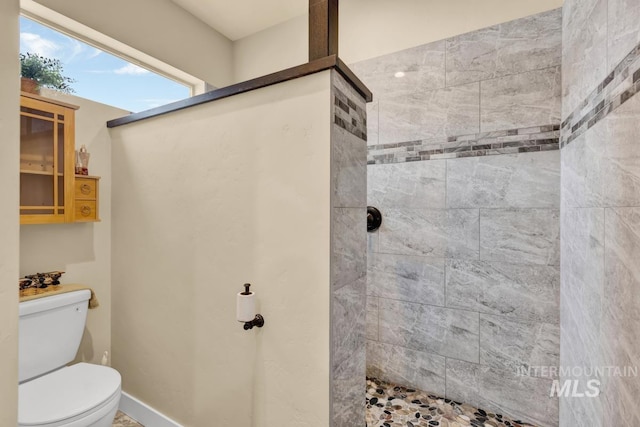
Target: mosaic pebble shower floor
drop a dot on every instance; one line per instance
(389, 405)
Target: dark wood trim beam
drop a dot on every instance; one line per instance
(323, 28)
(326, 63)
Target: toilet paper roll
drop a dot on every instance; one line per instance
(245, 307)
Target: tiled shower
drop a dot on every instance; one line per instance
(506, 167)
(464, 163)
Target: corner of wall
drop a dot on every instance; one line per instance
(9, 222)
(348, 252)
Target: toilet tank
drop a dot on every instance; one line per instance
(50, 331)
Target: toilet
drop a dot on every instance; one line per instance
(52, 394)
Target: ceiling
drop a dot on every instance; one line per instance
(239, 18)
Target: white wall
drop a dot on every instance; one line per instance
(204, 200)
(159, 28)
(82, 250)
(370, 28)
(9, 161)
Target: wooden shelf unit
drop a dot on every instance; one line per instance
(48, 190)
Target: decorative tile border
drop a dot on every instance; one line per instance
(349, 115)
(616, 89)
(523, 140)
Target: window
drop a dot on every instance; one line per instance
(98, 75)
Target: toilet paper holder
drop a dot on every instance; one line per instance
(246, 308)
(258, 321)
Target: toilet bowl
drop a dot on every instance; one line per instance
(81, 395)
(50, 393)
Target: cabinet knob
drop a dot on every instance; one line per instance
(85, 211)
(85, 189)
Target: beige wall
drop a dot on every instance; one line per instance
(159, 28)
(370, 28)
(83, 251)
(204, 200)
(9, 147)
(274, 49)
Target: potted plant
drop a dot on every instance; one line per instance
(38, 71)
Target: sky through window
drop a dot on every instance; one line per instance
(100, 76)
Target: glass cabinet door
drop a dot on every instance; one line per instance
(44, 145)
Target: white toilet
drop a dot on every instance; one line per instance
(52, 394)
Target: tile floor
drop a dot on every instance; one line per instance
(389, 405)
(123, 421)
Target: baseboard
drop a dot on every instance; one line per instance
(143, 413)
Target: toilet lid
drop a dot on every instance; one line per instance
(66, 393)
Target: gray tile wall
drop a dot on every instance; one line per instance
(463, 280)
(348, 255)
(600, 244)
(502, 77)
(476, 287)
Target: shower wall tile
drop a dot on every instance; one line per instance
(373, 240)
(621, 317)
(439, 233)
(582, 412)
(524, 236)
(348, 315)
(411, 368)
(513, 47)
(348, 244)
(406, 278)
(520, 100)
(471, 218)
(584, 50)
(349, 109)
(583, 276)
(348, 362)
(623, 30)
(513, 291)
(616, 142)
(463, 381)
(349, 169)
(372, 122)
(425, 114)
(503, 142)
(423, 68)
(510, 345)
(342, 87)
(443, 331)
(582, 280)
(521, 397)
(583, 183)
(528, 180)
(602, 166)
(348, 253)
(415, 185)
(372, 317)
(503, 391)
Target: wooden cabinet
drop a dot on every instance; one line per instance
(48, 190)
